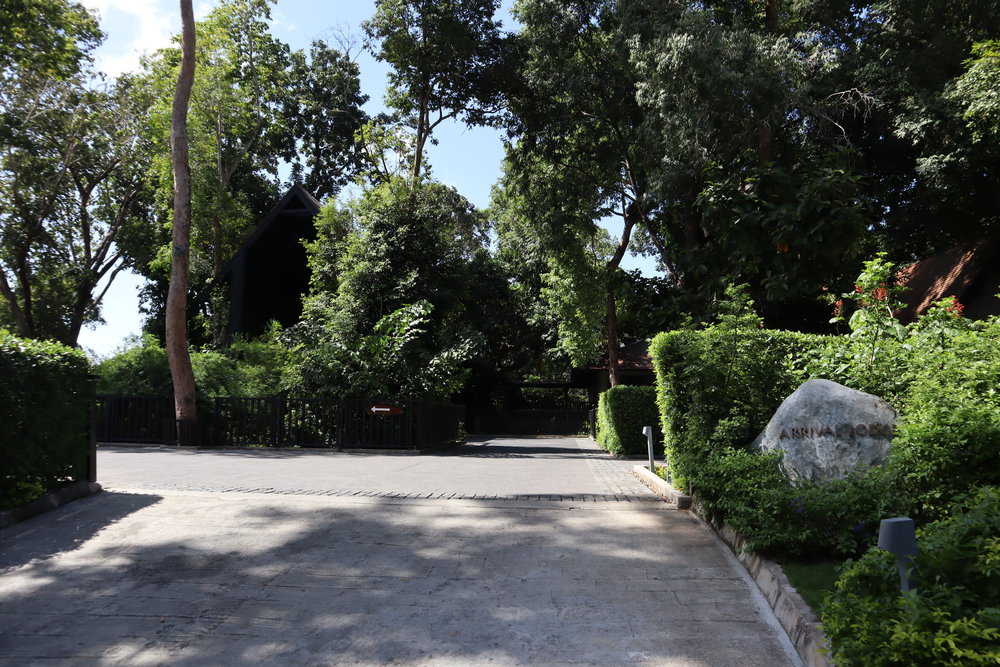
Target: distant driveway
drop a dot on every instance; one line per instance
(500, 467)
(510, 552)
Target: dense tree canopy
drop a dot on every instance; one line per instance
(773, 144)
(447, 62)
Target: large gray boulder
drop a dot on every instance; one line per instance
(827, 430)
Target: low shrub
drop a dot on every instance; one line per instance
(622, 412)
(44, 408)
(953, 617)
(251, 368)
(748, 491)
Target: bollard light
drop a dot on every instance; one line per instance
(899, 537)
(648, 432)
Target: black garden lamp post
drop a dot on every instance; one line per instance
(899, 537)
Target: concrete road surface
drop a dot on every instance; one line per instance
(506, 552)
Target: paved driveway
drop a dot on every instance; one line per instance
(540, 551)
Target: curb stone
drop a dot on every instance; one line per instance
(49, 502)
(795, 617)
(661, 487)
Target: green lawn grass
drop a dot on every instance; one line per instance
(813, 580)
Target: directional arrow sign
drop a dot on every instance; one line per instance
(384, 410)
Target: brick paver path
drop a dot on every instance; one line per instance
(505, 552)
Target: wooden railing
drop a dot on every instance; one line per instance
(282, 422)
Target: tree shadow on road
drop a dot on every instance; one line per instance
(381, 580)
(67, 527)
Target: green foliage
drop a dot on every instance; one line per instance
(324, 113)
(951, 619)
(574, 290)
(44, 406)
(748, 491)
(72, 166)
(446, 60)
(976, 91)
(622, 412)
(52, 38)
(948, 438)
(718, 387)
(770, 220)
(252, 368)
(392, 362)
(390, 281)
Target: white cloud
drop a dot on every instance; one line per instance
(134, 27)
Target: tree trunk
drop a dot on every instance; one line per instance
(176, 316)
(631, 217)
(612, 324)
(771, 16)
(765, 149)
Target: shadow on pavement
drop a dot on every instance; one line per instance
(375, 583)
(67, 527)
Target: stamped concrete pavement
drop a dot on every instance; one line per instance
(512, 552)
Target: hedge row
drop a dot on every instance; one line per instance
(622, 412)
(717, 388)
(44, 410)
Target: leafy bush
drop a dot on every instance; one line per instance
(246, 368)
(44, 405)
(748, 491)
(396, 360)
(948, 438)
(139, 369)
(718, 387)
(622, 412)
(953, 618)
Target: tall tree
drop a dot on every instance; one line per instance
(72, 166)
(447, 62)
(699, 127)
(254, 105)
(579, 155)
(71, 182)
(325, 114)
(178, 356)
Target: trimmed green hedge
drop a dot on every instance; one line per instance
(44, 409)
(718, 388)
(622, 411)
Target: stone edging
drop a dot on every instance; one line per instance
(793, 614)
(661, 487)
(48, 502)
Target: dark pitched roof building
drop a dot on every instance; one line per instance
(270, 274)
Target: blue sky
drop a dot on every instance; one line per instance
(466, 158)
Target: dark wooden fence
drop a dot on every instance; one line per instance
(535, 421)
(282, 422)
